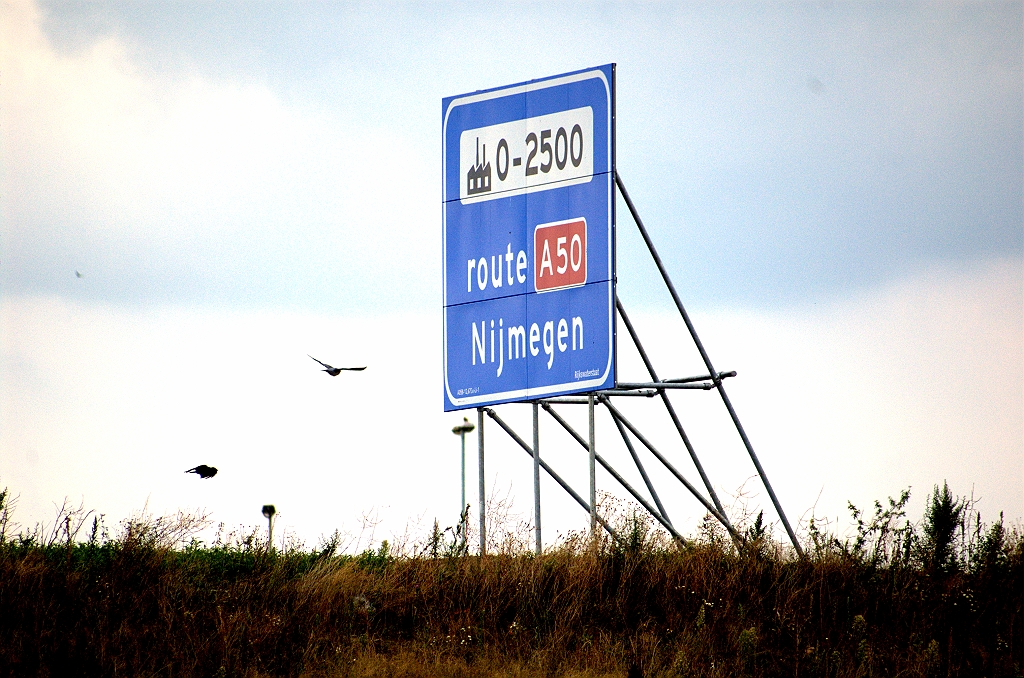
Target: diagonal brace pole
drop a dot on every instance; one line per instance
(544, 465)
(660, 517)
(640, 467)
(707, 363)
(679, 476)
(671, 410)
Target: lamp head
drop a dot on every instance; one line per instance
(464, 427)
(269, 511)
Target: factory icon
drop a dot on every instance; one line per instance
(478, 178)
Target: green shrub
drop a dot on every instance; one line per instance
(138, 604)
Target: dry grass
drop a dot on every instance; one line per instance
(143, 604)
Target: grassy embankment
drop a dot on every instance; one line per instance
(939, 597)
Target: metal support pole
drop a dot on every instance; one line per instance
(462, 429)
(483, 495)
(554, 476)
(268, 512)
(693, 490)
(683, 380)
(536, 474)
(708, 365)
(668, 406)
(622, 481)
(676, 386)
(593, 470)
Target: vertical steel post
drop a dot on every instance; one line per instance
(483, 496)
(593, 470)
(551, 472)
(536, 474)
(707, 363)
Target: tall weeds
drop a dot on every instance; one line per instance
(942, 597)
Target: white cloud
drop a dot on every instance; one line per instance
(182, 182)
(910, 385)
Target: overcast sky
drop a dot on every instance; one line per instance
(837, 190)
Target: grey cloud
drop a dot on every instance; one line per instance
(777, 153)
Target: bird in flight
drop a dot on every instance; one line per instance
(78, 274)
(203, 471)
(335, 371)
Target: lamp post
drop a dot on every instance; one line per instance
(461, 430)
(268, 513)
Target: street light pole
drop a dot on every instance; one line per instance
(461, 430)
(268, 513)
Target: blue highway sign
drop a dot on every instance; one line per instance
(529, 243)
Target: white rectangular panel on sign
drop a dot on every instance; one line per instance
(536, 154)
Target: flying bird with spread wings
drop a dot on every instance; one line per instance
(335, 371)
(203, 471)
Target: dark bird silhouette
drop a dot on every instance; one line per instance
(203, 471)
(335, 371)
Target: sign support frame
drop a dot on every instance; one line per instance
(712, 380)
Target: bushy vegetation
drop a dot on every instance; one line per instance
(938, 597)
